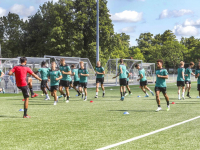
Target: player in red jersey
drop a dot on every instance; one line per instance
(21, 75)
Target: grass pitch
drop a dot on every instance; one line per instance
(84, 125)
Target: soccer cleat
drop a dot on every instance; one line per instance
(82, 96)
(47, 98)
(65, 98)
(3, 90)
(96, 96)
(183, 98)
(60, 96)
(103, 95)
(168, 108)
(85, 99)
(126, 94)
(27, 116)
(55, 103)
(152, 93)
(67, 101)
(79, 94)
(159, 108)
(198, 96)
(130, 94)
(189, 96)
(179, 98)
(35, 95)
(42, 94)
(147, 96)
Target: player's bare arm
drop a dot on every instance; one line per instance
(141, 76)
(67, 73)
(164, 77)
(59, 78)
(35, 76)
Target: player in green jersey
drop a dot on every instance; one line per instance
(127, 82)
(83, 74)
(188, 73)
(100, 72)
(161, 76)
(197, 75)
(76, 78)
(181, 80)
(143, 80)
(44, 70)
(54, 75)
(1, 75)
(122, 78)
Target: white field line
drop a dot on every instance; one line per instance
(147, 134)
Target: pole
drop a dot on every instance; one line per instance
(97, 34)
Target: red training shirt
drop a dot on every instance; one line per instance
(21, 74)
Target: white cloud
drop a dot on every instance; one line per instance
(127, 16)
(192, 23)
(128, 29)
(174, 13)
(181, 30)
(2, 12)
(21, 10)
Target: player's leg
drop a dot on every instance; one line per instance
(97, 88)
(189, 88)
(74, 87)
(198, 88)
(166, 98)
(103, 89)
(85, 90)
(158, 98)
(143, 89)
(81, 89)
(30, 84)
(55, 96)
(121, 90)
(61, 85)
(26, 100)
(179, 93)
(147, 88)
(183, 91)
(67, 93)
(47, 86)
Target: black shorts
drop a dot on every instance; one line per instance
(44, 83)
(187, 82)
(55, 87)
(122, 82)
(161, 89)
(180, 83)
(25, 91)
(83, 84)
(64, 83)
(100, 80)
(143, 83)
(126, 82)
(70, 82)
(76, 83)
(198, 87)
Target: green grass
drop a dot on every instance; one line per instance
(85, 125)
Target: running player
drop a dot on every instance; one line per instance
(1, 75)
(44, 70)
(20, 76)
(76, 79)
(143, 80)
(161, 76)
(54, 76)
(66, 78)
(197, 75)
(99, 78)
(122, 78)
(127, 81)
(83, 74)
(181, 80)
(188, 73)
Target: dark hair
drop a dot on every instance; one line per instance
(121, 60)
(160, 60)
(136, 65)
(23, 59)
(73, 66)
(43, 63)
(191, 63)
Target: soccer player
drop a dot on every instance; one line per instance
(65, 80)
(127, 86)
(76, 78)
(197, 75)
(21, 75)
(122, 78)
(143, 80)
(188, 73)
(83, 74)
(161, 76)
(1, 75)
(99, 78)
(54, 76)
(181, 80)
(44, 70)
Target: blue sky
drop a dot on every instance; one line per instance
(133, 16)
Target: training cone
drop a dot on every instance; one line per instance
(76, 95)
(23, 100)
(21, 110)
(138, 96)
(173, 102)
(91, 101)
(125, 113)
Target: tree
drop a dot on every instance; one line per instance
(135, 53)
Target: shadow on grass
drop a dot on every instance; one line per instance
(134, 110)
(1, 116)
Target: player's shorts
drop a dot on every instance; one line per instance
(64, 83)
(76, 83)
(161, 89)
(55, 87)
(198, 87)
(44, 83)
(187, 82)
(70, 82)
(180, 83)
(122, 82)
(25, 91)
(100, 80)
(143, 83)
(127, 82)
(83, 84)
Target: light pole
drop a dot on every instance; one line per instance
(97, 34)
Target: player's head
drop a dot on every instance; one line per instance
(137, 66)
(182, 63)
(98, 63)
(43, 63)
(81, 64)
(53, 64)
(23, 60)
(191, 64)
(121, 61)
(62, 61)
(72, 66)
(159, 63)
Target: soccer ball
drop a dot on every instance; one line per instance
(122, 98)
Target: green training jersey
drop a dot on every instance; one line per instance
(160, 82)
(83, 78)
(65, 68)
(188, 72)
(142, 72)
(196, 72)
(0, 74)
(180, 77)
(123, 74)
(53, 74)
(44, 73)
(127, 72)
(100, 70)
(76, 77)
